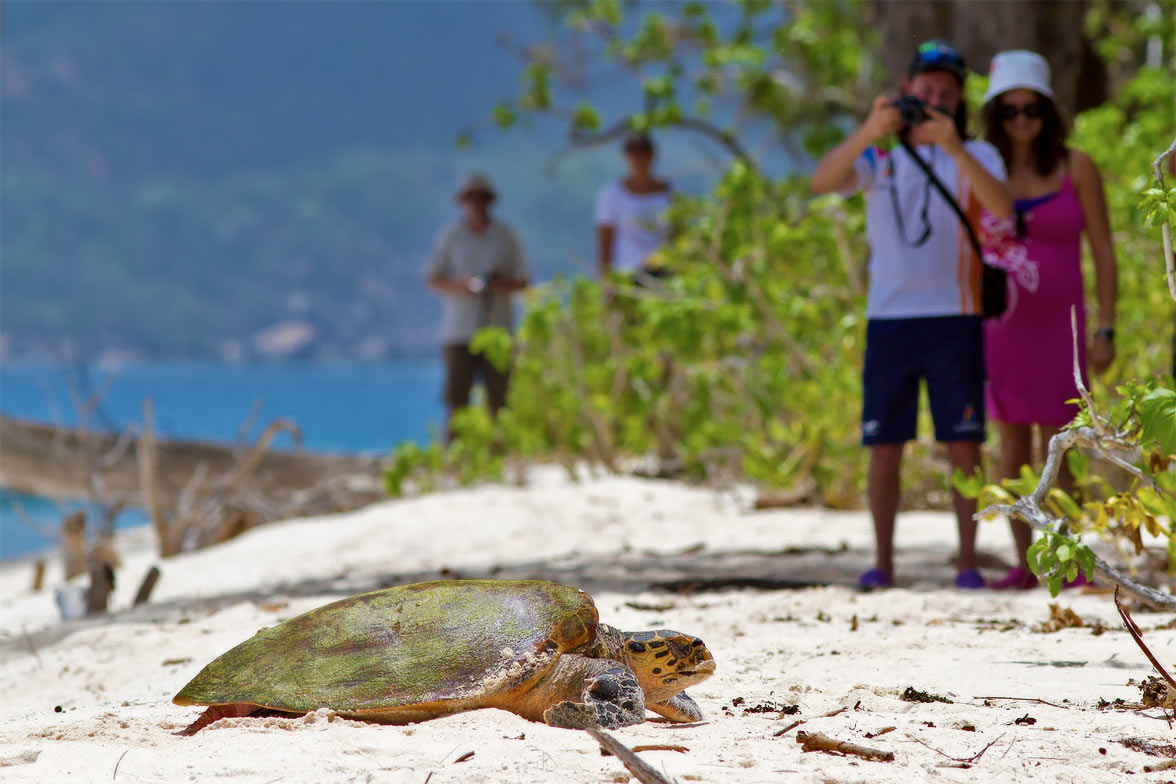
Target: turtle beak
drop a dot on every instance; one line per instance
(695, 652)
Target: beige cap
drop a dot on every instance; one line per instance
(476, 182)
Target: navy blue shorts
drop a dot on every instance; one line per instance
(947, 351)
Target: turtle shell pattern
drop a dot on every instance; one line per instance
(419, 644)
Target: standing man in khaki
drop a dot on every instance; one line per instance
(477, 265)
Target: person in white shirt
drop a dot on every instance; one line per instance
(924, 303)
(629, 211)
(477, 266)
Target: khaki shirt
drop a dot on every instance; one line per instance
(460, 253)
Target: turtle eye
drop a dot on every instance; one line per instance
(636, 647)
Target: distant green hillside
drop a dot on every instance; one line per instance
(176, 177)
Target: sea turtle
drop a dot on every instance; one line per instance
(419, 651)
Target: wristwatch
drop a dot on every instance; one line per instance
(476, 285)
(1105, 332)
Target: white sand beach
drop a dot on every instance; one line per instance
(90, 699)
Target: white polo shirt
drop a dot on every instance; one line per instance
(940, 277)
(636, 218)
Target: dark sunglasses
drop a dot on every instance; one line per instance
(1030, 110)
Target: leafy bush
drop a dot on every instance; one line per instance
(742, 364)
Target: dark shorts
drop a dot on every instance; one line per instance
(461, 366)
(947, 351)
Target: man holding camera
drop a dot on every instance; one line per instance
(924, 301)
(477, 265)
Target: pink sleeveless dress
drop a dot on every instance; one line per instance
(1029, 351)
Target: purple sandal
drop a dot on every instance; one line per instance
(970, 579)
(873, 579)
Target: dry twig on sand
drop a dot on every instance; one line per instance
(962, 760)
(644, 772)
(815, 741)
(796, 724)
(1137, 635)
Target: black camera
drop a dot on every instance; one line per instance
(912, 110)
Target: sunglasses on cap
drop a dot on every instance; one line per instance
(1031, 110)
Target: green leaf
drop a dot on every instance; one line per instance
(495, 343)
(1157, 418)
(1085, 558)
(504, 115)
(586, 117)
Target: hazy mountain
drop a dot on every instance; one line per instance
(178, 178)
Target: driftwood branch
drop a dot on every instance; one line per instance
(195, 493)
(148, 477)
(815, 741)
(643, 771)
(147, 586)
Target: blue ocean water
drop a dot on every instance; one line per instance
(343, 408)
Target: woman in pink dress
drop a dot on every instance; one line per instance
(1029, 351)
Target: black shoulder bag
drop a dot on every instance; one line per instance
(993, 280)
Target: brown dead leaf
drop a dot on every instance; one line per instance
(1060, 618)
(1155, 692)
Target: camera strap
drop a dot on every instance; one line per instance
(994, 282)
(902, 232)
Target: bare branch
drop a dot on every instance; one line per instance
(580, 140)
(26, 520)
(1165, 228)
(725, 139)
(255, 455)
(1087, 401)
(1028, 509)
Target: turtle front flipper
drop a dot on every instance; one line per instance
(217, 712)
(610, 696)
(681, 707)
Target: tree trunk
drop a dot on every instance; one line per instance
(980, 30)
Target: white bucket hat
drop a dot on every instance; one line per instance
(1016, 69)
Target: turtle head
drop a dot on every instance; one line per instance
(666, 662)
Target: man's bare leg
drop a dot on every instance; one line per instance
(885, 489)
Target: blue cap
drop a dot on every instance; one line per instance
(937, 55)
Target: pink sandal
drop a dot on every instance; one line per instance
(1017, 579)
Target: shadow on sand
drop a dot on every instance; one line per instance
(690, 570)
